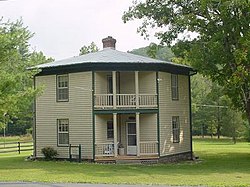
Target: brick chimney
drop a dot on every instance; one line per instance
(109, 42)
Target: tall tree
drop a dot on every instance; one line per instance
(16, 87)
(89, 49)
(220, 49)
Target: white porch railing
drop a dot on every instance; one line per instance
(107, 149)
(104, 149)
(103, 100)
(125, 100)
(149, 148)
(148, 100)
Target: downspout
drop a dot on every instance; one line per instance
(93, 114)
(191, 73)
(34, 120)
(158, 113)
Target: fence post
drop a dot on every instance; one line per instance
(70, 155)
(80, 153)
(19, 147)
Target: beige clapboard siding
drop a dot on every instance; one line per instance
(101, 82)
(147, 82)
(169, 108)
(101, 128)
(78, 110)
(148, 127)
(127, 82)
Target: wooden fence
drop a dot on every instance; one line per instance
(19, 147)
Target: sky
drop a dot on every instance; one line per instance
(62, 27)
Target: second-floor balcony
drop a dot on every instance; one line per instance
(125, 90)
(122, 101)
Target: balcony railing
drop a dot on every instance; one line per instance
(105, 101)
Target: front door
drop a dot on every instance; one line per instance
(131, 138)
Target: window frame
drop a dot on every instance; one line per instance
(110, 130)
(176, 129)
(62, 132)
(174, 87)
(62, 88)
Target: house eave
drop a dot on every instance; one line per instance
(164, 67)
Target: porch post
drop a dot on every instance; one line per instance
(138, 133)
(114, 88)
(115, 133)
(137, 89)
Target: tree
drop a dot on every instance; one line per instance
(221, 47)
(155, 51)
(89, 49)
(234, 125)
(16, 85)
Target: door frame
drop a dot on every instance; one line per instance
(132, 148)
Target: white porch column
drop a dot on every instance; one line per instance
(137, 89)
(114, 88)
(138, 133)
(115, 133)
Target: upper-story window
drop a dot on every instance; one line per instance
(62, 88)
(174, 87)
(176, 129)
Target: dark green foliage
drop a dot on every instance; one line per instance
(49, 153)
(155, 51)
(221, 48)
(213, 113)
(16, 82)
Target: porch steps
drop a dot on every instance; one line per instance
(129, 160)
(150, 161)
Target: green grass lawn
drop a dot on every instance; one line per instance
(222, 164)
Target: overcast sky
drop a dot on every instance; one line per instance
(62, 27)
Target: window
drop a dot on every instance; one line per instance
(176, 129)
(63, 131)
(110, 84)
(62, 88)
(110, 130)
(174, 87)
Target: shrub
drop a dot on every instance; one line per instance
(49, 153)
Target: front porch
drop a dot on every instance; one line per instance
(126, 136)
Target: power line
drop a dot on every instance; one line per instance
(212, 106)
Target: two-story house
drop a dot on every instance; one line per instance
(111, 99)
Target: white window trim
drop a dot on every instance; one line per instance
(110, 130)
(61, 88)
(62, 132)
(176, 87)
(176, 130)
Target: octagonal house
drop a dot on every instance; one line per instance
(118, 106)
